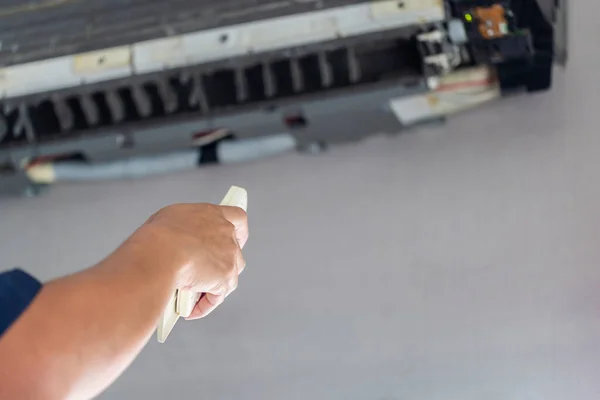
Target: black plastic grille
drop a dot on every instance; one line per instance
(206, 92)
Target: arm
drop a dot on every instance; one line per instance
(82, 331)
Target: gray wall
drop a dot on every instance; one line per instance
(452, 263)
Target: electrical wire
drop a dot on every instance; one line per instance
(200, 139)
(467, 84)
(220, 151)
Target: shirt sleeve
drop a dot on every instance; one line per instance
(17, 291)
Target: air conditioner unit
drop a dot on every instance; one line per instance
(99, 82)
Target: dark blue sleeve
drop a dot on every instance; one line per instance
(17, 290)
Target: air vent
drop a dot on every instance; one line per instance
(204, 92)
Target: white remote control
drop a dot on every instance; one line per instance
(182, 302)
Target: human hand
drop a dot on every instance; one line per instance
(201, 244)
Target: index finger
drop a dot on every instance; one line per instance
(239, 219)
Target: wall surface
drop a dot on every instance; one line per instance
(452, 263)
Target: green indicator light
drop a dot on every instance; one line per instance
(469, 17)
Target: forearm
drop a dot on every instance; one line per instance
(107, 314)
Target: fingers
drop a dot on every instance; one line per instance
(239, 219)
(210, 301)
(240, 262)
(207, 304)
(233, 262)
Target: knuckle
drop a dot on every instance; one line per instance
(241, 261)
(206, 208)
(232, 283)
(243, 215)
(225, 229)
(228, 264)
(240, 216)
(229, 227)
(230, 268)
(231, 249)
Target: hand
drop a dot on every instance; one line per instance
(202, 244)
(110, 310)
